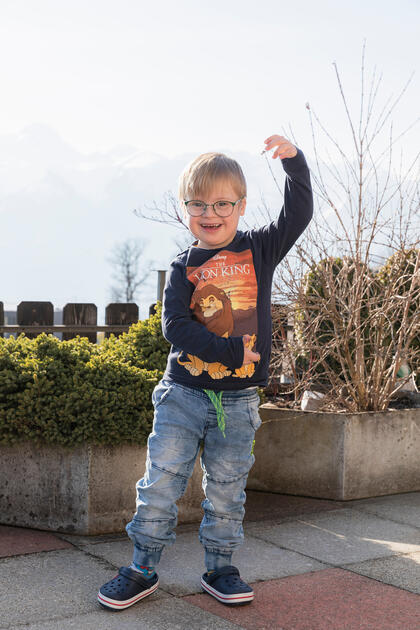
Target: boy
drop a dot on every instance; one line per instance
(217, 316)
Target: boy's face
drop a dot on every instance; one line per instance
(213, 231)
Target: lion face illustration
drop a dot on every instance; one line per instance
(210, 305)
(212, 308)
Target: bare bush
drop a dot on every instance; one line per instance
(355, 324)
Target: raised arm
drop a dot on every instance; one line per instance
(279, 236)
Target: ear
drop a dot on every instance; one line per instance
(242, 207)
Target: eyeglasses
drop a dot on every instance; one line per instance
(221, 208)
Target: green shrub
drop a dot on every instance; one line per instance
(143, 345)
(72, 392)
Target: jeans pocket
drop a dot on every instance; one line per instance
(161, 393)
(254, 414)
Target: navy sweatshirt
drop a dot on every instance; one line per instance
(213, 297)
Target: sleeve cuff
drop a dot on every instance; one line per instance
(294, 163)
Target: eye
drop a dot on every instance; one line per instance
(223, 204)
(196, 204)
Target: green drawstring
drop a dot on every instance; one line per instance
(216, 399)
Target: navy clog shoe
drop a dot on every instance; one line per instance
(126, 588)
(226, 585)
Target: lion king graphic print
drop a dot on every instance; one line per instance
(225, 302)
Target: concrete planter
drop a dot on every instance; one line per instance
(337, 456)
(91, 489)
(84, 490)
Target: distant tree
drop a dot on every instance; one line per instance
(125, 259)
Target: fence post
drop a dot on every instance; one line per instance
(161, 284)
(118, 313)
(31, 313)
(160, 287)
(80, 313)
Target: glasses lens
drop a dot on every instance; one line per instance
(195, 208)
(223, 208)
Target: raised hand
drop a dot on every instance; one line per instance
(285, 149)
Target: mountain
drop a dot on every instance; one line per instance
(62, 212)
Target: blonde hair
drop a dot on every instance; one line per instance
(200, 176)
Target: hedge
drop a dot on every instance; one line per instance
(72, 392)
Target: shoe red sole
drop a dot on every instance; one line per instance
(107, 602)
(232, 598)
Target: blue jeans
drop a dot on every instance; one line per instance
(184, 418)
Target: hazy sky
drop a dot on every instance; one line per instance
(105, 79)
(190, 75)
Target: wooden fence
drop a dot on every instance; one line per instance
(81, 319)
(34, 318)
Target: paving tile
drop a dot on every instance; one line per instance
(182, 564)
(42, 586)
(402, 508)
(341, 537)
(402, 571)
(333, 599)
(270, 506)
(166, 614)
(17, 540)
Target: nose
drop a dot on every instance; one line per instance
(209, 211)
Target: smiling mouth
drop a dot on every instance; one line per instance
(210, 225)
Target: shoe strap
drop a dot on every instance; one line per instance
(135, 576)
(228, 570)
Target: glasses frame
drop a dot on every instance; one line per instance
(206, 205)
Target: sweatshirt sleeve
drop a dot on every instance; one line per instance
(188, 335)
(279, 236)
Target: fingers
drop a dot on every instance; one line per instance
(251, 357)
(273, 138)
(285, 149)
(282, 151)
(273, 141)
